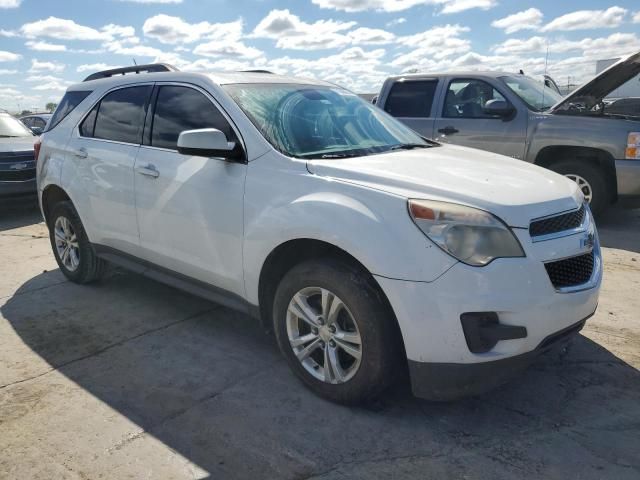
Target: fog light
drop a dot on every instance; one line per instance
(482, 331)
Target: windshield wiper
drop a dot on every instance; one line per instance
(339, 155)
(409, 146)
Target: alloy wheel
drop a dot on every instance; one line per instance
(66, 242)
(324, 335)
(583, 185)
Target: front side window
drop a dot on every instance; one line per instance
(183, 108)
(11, 127)
(313, 121)
(120, 115)
(411, 98)
(536, 95)
(466, 98)
(68, 103)
(38, 122)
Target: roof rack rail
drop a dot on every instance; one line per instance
(149, 68)
(257, 71)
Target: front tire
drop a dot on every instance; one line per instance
(335, 331)
(71, 247)
(591, 181)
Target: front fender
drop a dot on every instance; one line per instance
(372, 226)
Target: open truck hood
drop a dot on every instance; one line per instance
(592, 92)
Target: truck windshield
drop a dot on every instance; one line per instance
(535, 94)
(10, 127)
(312, 121)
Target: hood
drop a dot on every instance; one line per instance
(592, 92)
(514, 190)
(17, 144)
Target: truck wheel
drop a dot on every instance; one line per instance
(71, 247)
(590, 180)
(335, 331)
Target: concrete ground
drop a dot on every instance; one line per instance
(132, 379)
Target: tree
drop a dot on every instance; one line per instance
(51, 106)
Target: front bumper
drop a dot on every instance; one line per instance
(10, 189)
(628, 177)
(518, 290)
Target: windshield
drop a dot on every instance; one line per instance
(535, 94)
(311, 121)
(10, 127)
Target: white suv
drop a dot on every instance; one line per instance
(365, 247)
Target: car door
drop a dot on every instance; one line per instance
(190, 208)
(102, 154)
(462, 120)
(412, 102)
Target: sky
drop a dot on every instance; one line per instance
(46, 45)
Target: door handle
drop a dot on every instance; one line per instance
(149, 171)
(81, 153)
(449, 130)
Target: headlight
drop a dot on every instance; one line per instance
(470, 235)
(632, 152)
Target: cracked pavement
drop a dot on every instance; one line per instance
(133, 379)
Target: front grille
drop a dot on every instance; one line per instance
(17, 175)
(559, 223)
(570, 272)
(16, 157)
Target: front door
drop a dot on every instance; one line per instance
(189, 208)
(462, 120)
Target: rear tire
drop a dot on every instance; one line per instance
(71, 247)
(354, 344)
(592, 182)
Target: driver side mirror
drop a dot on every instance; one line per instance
(498, 108)
(209, 142)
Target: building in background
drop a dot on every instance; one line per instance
(629, 89)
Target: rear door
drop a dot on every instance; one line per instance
(462, 121)
(102, 152)
(413, 102)
(190, 208)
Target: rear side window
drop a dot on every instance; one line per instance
(120, 115)
(411, 98)
(70, 101)
(183, 108)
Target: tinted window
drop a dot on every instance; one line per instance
(89, 123)
(182, 108)
(411, 99)
(38, 122)
(28, 121)
(467, 98)
(70, 101)
(121, 115)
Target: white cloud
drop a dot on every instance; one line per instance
(10, 3)
(588, 19)
(526, 20)
(45, 46)
(121, 48)
(396, 21)
(291, 32)
(174, 30)
(614, 45)
(221, 48)
(55, 86)
(9, 56)
(448, 6)
(94, 67)
(435, 44)
(456, 6)
(6, 71)
(43, 78)
(8, 33)
(636, 17)
(61, 29)
(370, 36)
(152, 1)
(38, 66)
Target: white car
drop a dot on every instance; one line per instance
(365, 247)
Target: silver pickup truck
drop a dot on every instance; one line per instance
(514, 115)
